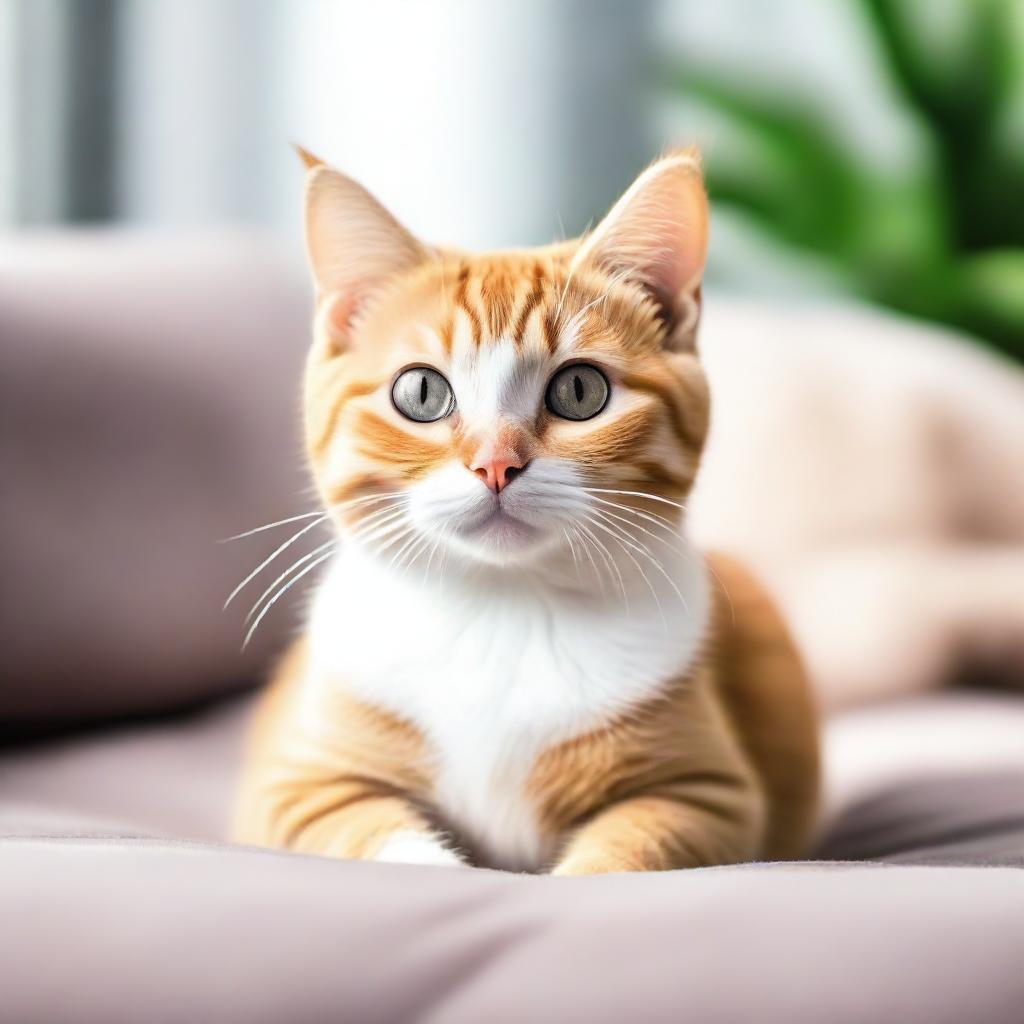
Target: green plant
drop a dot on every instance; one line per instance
(944, 241)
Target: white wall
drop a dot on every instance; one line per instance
(481, 123)
(197, 110)
(8, 124)
(33, 115)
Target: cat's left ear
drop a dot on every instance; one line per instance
(657, 236)
(355, 246)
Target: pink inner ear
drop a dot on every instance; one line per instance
(354, 244)
(658, 231)
(339, 314)
(680, 246)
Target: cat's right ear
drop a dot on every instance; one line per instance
(657, 236)
(355, 246)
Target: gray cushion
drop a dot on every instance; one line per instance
(129, 931)
(173, 777)
(148, 408)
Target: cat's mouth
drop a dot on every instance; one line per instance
(499, 524)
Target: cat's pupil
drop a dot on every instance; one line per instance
(423, 390)
(577, 386)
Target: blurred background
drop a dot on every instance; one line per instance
(866, 147)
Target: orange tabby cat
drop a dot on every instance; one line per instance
(516, 658)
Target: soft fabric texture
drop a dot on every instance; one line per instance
(111, 932)
(135, 434)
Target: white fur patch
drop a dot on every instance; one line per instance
(416, 848)
(496, 666)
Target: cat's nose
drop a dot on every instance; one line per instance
(499, 471)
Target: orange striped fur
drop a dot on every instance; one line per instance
(691, 740)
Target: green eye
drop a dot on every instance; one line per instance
(577, 392)
(423, 395)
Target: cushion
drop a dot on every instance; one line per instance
(148, 408)
(120, 895)
(136, 930)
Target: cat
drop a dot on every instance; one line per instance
(516, 658)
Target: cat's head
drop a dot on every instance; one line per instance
(507, 407)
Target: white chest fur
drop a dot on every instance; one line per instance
(495, 672)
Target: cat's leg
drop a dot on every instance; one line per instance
(376, 827)
(669, 786)
(346, 789)
(351, 819)
(657, 833)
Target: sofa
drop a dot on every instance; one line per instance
(147, 412)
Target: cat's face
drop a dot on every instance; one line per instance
(507, 407)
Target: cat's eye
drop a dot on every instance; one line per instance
(423, 395)
(577, 392)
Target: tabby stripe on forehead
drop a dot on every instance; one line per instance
(447, 333)
(462, 301)
(550, 325)
(357, 389)
(663, 391)
(529, 305)
(496, 298)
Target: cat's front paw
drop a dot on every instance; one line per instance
(417, 848)
(594, 863)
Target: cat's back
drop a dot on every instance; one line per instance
(764, 689)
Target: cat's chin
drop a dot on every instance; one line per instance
(500, 539)
(501, 529)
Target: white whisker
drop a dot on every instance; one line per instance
(645, 551)
(403, 530)
(575, 560)
(401, 551)
(270, 604)
(651, 517)
(430, 557)
(310, 515)
(368, 498)
(379, 531)
(416, 553)
(378, 518)
(635, 494)
(626, 545)
(291, 568)
(590, 556)
(266, 561)
(725, 589)
(654, 536)
(270, 526)
(606, 554)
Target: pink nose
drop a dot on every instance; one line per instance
(499, 471)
